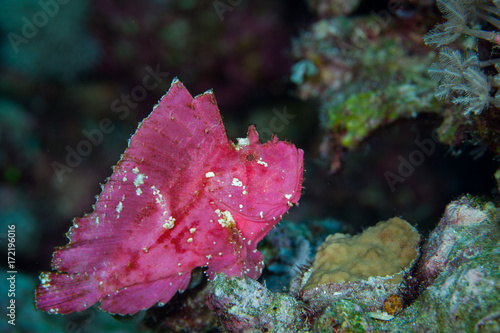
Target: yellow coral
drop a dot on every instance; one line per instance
(384, 250)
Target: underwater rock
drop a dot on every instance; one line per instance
(342, 316)
(444, 238)
(459, 273)
(244, 305)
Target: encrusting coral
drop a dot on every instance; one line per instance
(384, 250)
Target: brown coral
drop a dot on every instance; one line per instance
(384, 250)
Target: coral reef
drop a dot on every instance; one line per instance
(452, 287)
(329, 8)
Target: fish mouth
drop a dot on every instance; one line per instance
(300, 176)
(297, 187)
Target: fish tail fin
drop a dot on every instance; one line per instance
(66, 293)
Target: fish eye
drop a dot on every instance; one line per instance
(250, 157)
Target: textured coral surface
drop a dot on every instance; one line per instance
(384, 250)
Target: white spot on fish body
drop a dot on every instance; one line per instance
(236, 182)
(226, 219)
(139, 179)
(45, 280)
(261, 162)
(119, 207)
(242, 142)
(209, 174)
(170, 223)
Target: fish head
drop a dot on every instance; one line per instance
(265, 180)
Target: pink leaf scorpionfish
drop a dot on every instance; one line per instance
(182, 196)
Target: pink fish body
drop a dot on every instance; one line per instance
(182, 196)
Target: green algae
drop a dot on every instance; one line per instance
(344, 315)
(363, 82)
